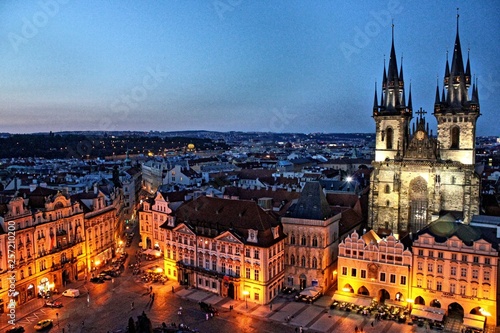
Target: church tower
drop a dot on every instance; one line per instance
(392, 115)
(419, 177)
(456, 113)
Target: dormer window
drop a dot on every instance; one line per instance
(252, 236)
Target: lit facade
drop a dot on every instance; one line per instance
(153, 213)
(370, 266)
(49, 244)
(456, 269)
(229, 247)
(312, 239)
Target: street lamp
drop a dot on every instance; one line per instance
(246, 293)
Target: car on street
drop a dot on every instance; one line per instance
(53, 304)
(104, 276)
(71, 293)
(16, 329)
(43, 324)
(96, 280)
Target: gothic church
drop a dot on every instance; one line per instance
(417, 176)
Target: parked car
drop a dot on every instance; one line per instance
(53, 304)
(104, 276)
(43, 324)
(96, 280)
(71, 293)
(16, 329)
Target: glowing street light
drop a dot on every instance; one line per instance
(246, 293)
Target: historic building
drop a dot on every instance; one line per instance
(153, 213)
(418, 176)
(232, 248)
(375, 267)
(313, 234)
(100, 227)
(455, 267)
(49, 248)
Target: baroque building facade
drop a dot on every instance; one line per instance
(229, 247)
(49, 248)
(418, 176)
(455, 267)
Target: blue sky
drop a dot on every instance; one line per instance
(282, 66)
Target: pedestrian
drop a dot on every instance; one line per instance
(153, 297)
(132, 305)
(206, 316)
(173, 289)
(150, 289)
(356, 329)
(372, 323)
(271, 306)
(301, 329)
(83, 323)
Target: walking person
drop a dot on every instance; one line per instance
(132, 305)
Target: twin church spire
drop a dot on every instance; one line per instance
(393, 98)
(457, 81)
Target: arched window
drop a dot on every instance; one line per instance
(315, 241)
(303, 261)
(390, 138)
(314, 263)
(303, 240)
(387, 188)
(292, 239)
(455, 137)
(292, 260)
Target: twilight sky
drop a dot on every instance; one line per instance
(281, 66)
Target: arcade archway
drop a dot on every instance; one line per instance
(455, 310)
(435, 303)
(420, 300)
(348, 288)
(383, 295)
(363, 291)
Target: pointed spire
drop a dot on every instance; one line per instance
(443, 96)
(375, 101)
(477, 91)
(401, 70)
(392, 72)
(447, 70)
(467, 69)
(384, 79)
(473, 98)
(410, 103)
(437, 101)
(457, 62)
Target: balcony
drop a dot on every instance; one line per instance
(232, 277)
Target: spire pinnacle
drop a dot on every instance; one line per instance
(410, 104)
(437, 101)
(375, 100)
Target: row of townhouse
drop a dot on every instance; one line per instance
(54, 239)
(447, 265)
(244, 248)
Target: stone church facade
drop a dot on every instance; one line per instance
(419, 176)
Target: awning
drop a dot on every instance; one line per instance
(428, 308)
(358, 300)
(312, 291)
(473, 323)
(427, 315)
